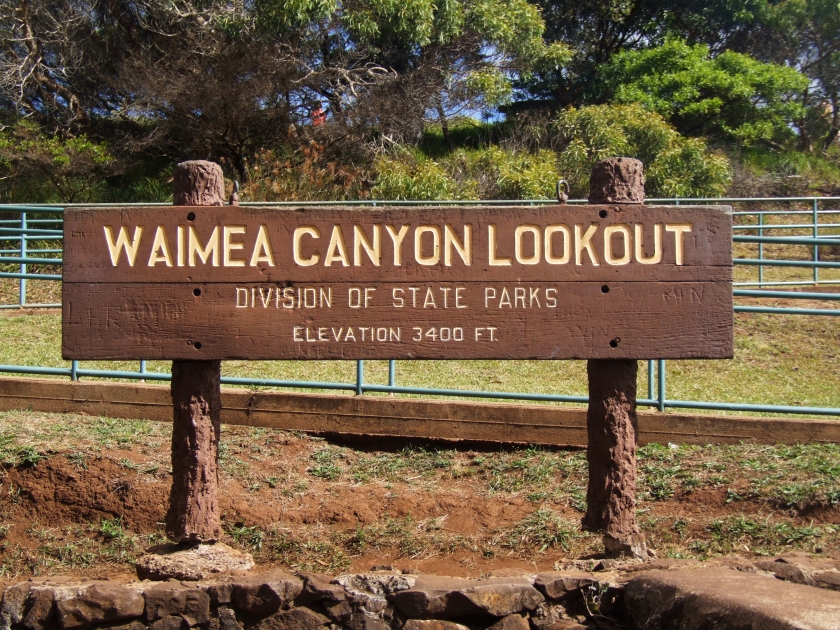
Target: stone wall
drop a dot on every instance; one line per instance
(280, 601)
(788, 592)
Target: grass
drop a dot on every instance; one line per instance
(75, 547)
(749, 273)
(779, 359)
(509, 471)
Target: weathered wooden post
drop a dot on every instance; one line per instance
(611, 417)
(193, 515)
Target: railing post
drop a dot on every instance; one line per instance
(761, 250)
(360, 376)
(22, 297)
(815, 206)
(650, 379)
(392, 373)
(74, 370)
(660, 373)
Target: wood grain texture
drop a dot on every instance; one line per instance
(167, 321)
(87, 258)
(405, 417)
(522, 307)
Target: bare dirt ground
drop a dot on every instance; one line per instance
(86, 495)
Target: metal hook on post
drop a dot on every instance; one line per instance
(562, 191)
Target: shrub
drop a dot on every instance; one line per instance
(488, 173)
(415, 177)
(502, 174)
(35, 167)
(305, 174)
(674, 165)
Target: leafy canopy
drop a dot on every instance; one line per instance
(476, 47)
(596, 30)
(805, 34)
(732, 96)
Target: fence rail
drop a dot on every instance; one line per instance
(42, 223)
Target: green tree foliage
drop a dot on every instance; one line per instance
(675, 166)
(805, 34)
(223, 79)
(732, 96)
(302, 99)
(441, 58)
(597, 30)
(38, 167)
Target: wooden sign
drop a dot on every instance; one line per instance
(551, 282)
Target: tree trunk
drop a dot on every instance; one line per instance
(444, 125)
(835, 123)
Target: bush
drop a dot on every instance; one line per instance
(502, 174)
(675, 166)
(412, 176)
(305, 174)
(489, 173)
(35, 167)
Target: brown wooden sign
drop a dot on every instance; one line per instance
(552, 282)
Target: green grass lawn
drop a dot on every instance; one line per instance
(779, 359)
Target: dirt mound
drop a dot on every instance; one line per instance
(88, 495)
(56, 492)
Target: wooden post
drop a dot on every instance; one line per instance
(611, 417)
(193, 515)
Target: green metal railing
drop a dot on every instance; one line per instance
(42, 225)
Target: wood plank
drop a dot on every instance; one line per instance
(556, 282)
(402, 417)
(88, 257)
(470, 320)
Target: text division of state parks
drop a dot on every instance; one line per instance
(550, 282)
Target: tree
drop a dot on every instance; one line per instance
(222, 79)
(597, 30)
(731, 95)
(805, 34)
